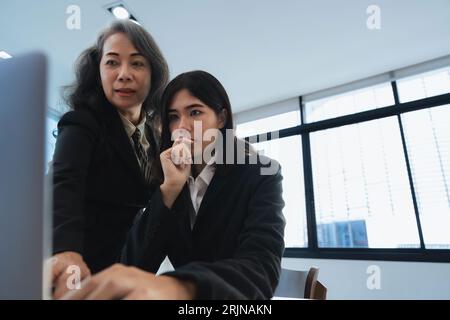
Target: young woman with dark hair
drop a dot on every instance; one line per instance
(219, 222)
(105, 148)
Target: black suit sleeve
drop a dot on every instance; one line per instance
(254, 270)
(77, 135)
(154, 225)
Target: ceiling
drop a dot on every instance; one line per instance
(261, 50)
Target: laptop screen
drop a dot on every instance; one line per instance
(24, 215)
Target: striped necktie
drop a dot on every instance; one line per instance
(141, 155)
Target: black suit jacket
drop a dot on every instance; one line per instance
(234, 250)
(98, 187)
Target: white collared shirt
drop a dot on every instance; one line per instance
(198, 186)
(130, 128)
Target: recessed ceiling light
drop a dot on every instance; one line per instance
(5, 55)
(120, 11)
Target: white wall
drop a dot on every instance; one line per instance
(347, 279)
(267, 110)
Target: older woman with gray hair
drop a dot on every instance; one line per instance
(105, 150)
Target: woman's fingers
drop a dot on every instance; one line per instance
(57, 268)
(87, 286)
(110, 288)
(61, 286)
(116, 282)
(176, 164)
(181, 154)
(165, 155)
(68, 268)
(69, 280)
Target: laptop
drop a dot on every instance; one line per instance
(25, 218)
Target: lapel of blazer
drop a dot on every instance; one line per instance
(182, 243)
(188, 209)
(120, 141)
(216, 186)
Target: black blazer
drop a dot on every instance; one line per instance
(234, 250)
(98, 187)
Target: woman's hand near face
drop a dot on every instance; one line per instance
(176, 164)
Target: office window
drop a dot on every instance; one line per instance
(351, 102)
(287, 151)
(361, 187)
(425, 85)
(427, 134)
(363, 195)
(269, 124)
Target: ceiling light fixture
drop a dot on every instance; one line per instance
(120, 11)
(5, 55)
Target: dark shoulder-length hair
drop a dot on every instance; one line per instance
(87, 92)
(210, 91)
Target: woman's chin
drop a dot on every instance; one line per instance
(124, 104)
